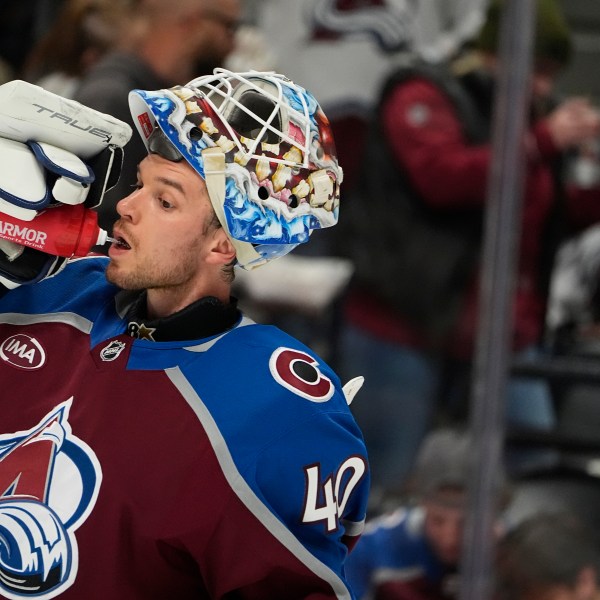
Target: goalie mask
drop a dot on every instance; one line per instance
(264, 148)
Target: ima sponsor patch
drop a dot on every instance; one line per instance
(23, 352)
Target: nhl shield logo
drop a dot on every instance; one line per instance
(112, 351)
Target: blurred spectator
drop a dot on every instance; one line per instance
(22, 24)
(354, 44)
(573, 333)
(413, 553)
(84, 30)
(548, 557)
(573, 315)
(414, 232)
(163, 43)
(251, 52)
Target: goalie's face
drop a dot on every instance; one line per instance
(169, 241)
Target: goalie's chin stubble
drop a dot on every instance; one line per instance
(152, 276)
(124, 280)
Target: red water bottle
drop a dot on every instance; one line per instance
(62, 230)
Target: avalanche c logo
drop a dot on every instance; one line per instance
(298, 372)
(23, 352)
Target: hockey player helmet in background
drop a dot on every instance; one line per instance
(264, 148)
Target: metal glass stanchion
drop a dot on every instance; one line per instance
(502, 229)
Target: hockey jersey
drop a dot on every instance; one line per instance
(132, 469)
(394, 561)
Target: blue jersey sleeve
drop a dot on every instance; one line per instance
(297, 455)
(315, 479)
(80, 288)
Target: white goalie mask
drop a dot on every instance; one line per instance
(264, 148)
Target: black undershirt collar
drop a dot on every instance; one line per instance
(204, 318)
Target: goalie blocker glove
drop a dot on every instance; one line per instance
(53, 151)
(35, 174)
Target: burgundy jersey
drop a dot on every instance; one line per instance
(226, 467)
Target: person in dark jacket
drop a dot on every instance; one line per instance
(165, 43)
(414, 551)
(411, 317)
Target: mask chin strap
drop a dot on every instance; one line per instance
(214, 177)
